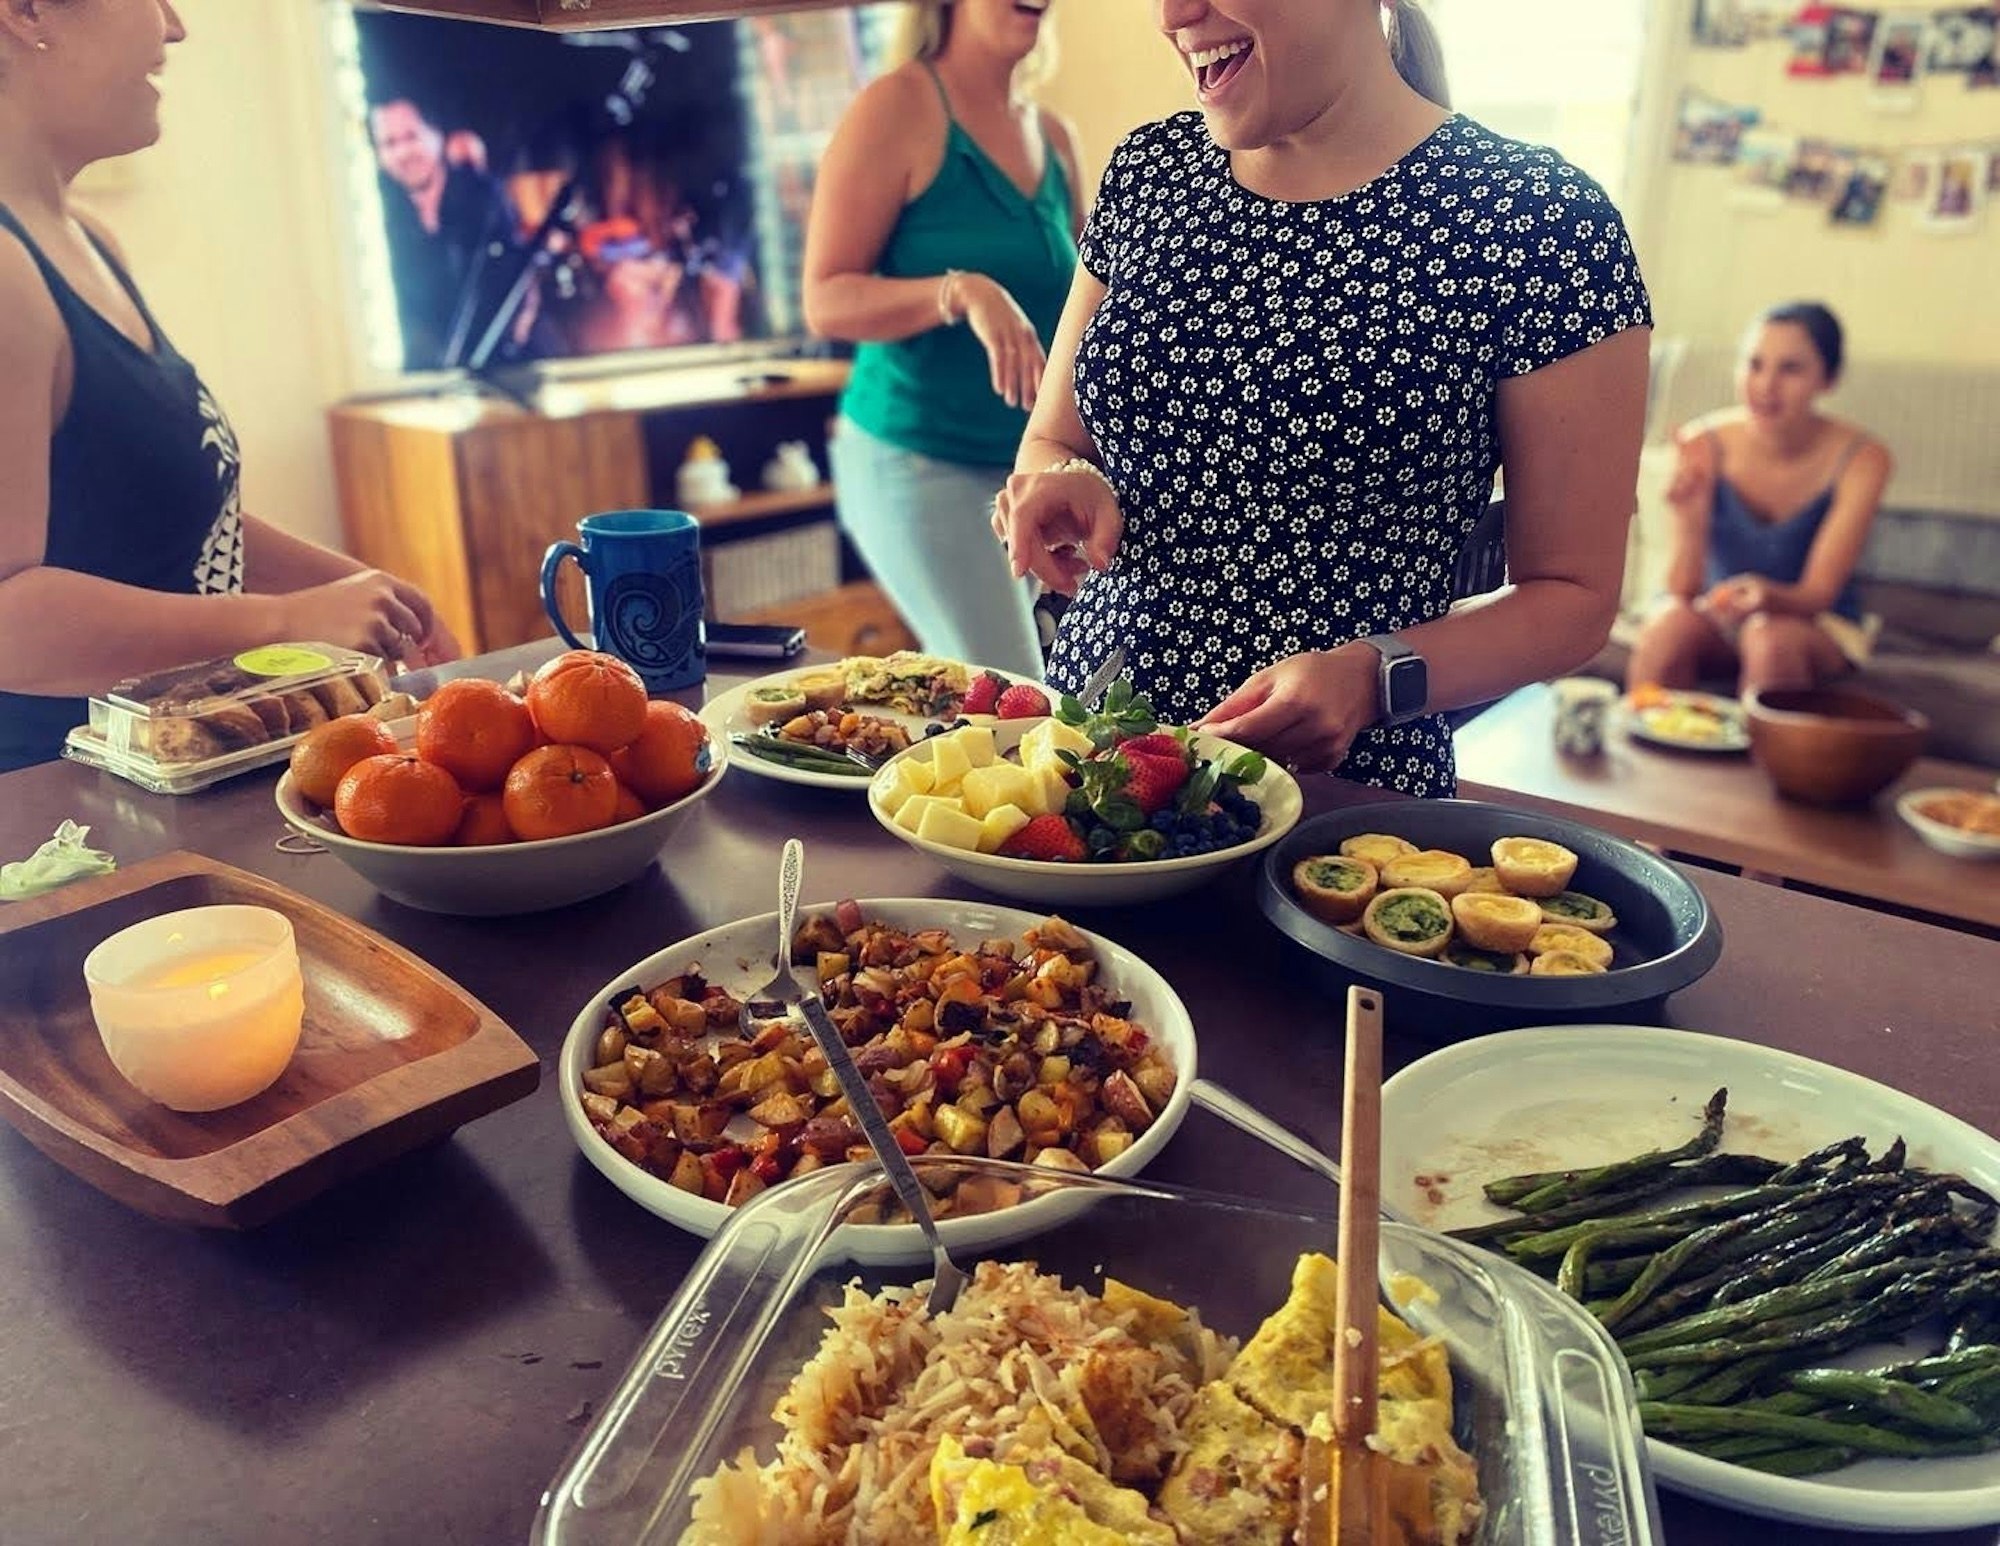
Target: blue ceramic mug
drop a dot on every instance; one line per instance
(643, 569)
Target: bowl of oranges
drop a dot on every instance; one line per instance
(487, 802)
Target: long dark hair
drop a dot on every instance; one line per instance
(1417, 50)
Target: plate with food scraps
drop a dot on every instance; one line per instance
(1686, 721)
(831, 726)
(1746, 1323)
(1058, 1048)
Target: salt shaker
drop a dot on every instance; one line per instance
(1581, 706)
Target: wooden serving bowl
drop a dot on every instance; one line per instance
(1832, 745)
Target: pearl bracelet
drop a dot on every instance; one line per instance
(1084, 464)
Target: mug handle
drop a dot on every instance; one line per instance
(552, 561)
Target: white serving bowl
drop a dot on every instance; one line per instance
(738, 957)
(507, 878)
(1946, 839)
(1099, 885)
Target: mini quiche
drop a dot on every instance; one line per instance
(773, 705)
(825, 689)
(1334, 890)
(1410, 921)
(1483, 878)
(1378, 848)
(1531, 866)
(1564, 963)
(1434, 869)
(1562, 939)
(1579, 912)
(1472, 959)
(1495, 922)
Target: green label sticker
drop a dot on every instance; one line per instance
(282, 660)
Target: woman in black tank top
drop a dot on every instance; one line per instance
(124, 547)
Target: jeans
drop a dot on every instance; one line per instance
(921, 526)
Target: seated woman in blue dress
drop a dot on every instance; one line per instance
(1772, 502)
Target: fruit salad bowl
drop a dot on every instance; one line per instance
(981, 787)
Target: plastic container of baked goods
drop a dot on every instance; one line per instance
(182, 730)
(1541, 1401)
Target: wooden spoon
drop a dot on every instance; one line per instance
(1344, 1483)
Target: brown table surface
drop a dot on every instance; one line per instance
(411, 1357)
(1722, 808)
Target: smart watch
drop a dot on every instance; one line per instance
(1406, 679)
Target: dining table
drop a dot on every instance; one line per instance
(412, 1355)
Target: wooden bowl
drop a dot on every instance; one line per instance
(1832, 745)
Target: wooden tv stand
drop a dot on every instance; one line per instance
(462, 494)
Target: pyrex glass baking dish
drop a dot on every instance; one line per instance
(1542, 1402)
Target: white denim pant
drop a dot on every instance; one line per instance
(923, 527)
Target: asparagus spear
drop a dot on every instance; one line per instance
(1665, 1420)
(1847, 1150)
(1714, 1170)
(1567, 1186)
(1907, 1405)
(1888, 1245)
(1801, 1460)
(1669, 1223)
(1780, 1303)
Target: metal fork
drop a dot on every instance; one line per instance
(948, 1280)
(1112, 668)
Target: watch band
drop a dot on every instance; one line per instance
(1405, 676)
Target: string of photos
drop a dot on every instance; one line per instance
(1894, 49)
(1947, 184)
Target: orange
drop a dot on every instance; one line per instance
(322, 759)
(665, 762)
(399, 799)
(559, 791)
(475, 731)
(588, 699)
(484, 822)
(629, 808)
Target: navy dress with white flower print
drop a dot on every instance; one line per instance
(1296, 401)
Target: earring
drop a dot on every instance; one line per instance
(41, 45)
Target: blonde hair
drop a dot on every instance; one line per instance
(924, 30)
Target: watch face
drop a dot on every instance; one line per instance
(1407, 689)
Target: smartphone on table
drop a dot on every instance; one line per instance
(754, 641)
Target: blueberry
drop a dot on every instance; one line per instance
(1163, 821)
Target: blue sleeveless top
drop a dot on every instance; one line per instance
(143, 475)
(1742, 542)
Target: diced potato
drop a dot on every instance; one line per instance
(610, 1045)
(832, 964)
(949, 763)
(1040, 745)
(1061, 1159)
(742, 1187)
(952, 828)
(1000, 824)
(978, 743)
(599, 1108)
(1106, 1144)
(641, 1018)
(687, 1173)
(612, 1079)
(964, 1132)
(912, 813)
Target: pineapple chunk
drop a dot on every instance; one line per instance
(986, 789)
(944, 823)
(1001, 823)
(978, 743)
(949, 763)
(911, 816)
(1051, 791)
(1040, 745)
(907, 779)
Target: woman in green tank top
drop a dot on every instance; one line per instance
(943, 243)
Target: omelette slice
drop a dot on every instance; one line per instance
(1285, 1371)
(1047, 1499)
(1238, 1479)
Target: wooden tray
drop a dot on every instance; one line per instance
(394, 1055)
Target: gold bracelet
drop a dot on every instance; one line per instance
(945, 313)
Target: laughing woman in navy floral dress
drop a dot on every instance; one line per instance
(1312, 321)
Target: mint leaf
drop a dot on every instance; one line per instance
(1200, 789)
(1121, 814)
(1069, 711)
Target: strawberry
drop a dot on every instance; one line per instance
(1158, 744)
(1154, 781)
(1022, 702)
(984, 692)
(1049, 838)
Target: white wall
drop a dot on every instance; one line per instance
(231, 227)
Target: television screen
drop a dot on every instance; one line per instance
(535, 196)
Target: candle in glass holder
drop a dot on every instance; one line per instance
(200, 1009)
